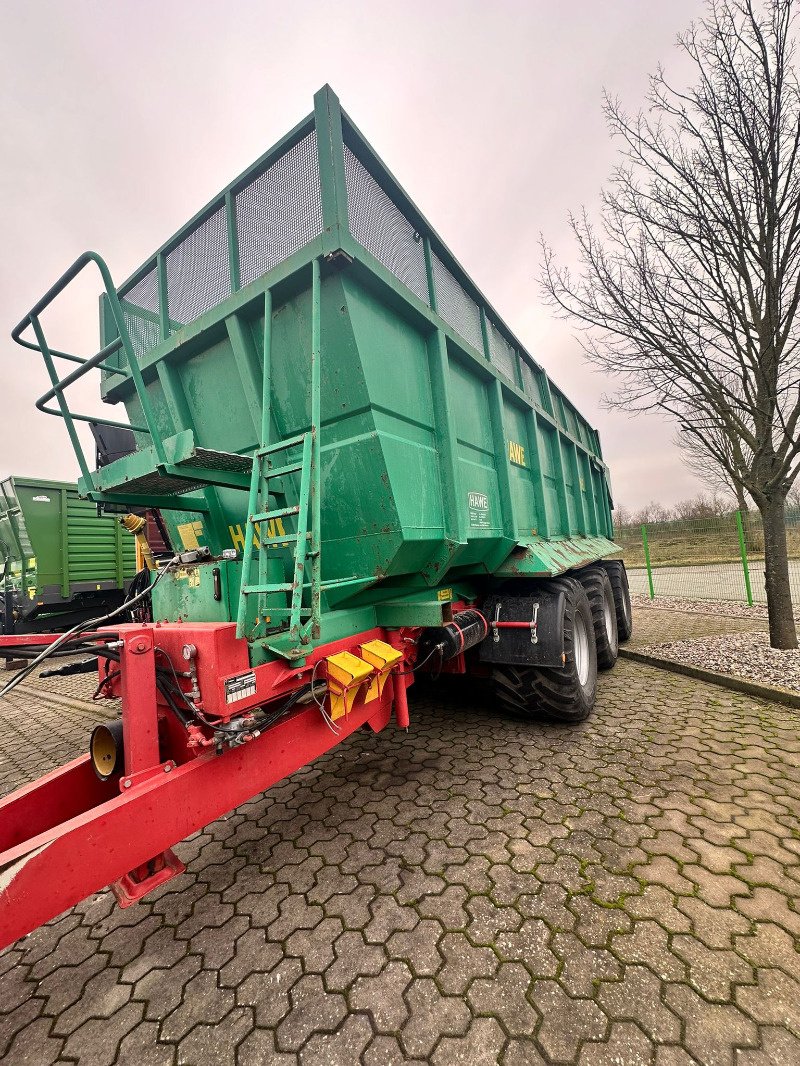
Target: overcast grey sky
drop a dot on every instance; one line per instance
(121, 119)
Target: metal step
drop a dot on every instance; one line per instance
(188, 467)
(280, 446)
(268, 516)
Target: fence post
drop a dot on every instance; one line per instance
(647, 562)
(743, 553)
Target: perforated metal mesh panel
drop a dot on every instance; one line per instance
(140, 311)
(198, 270)
(280, 211)
(376, 222)
(502, 354)
(212, 460)
(457, 308)
(535, 384)
(571, 419)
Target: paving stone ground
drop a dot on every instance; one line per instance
(476, 891)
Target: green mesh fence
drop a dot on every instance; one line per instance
(705, 559)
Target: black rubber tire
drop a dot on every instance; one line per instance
(550, 692)
(597, 586)
(617, 575)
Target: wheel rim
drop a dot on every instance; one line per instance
(581, 650)
(607, 618)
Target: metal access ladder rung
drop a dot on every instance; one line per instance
(269, 542)
(280, 471)
(280, 446)
(262, 590)
(305, 612)
(268, 516)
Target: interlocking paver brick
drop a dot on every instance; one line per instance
(382, 996)
(567, 1023)
(203, 1002)
(775, 1000)
(431, 1016)
(142, 1045)
(476, 890)
(345, 1045)
(766, 944)
(419, 947)
(34, 1045)
(386, 1051)
(98, 1040)
(313, 1010)
(713, 973)
(626, 1046)
(215, 1042)
(778, 1048)
(505, 997)
(637, 997)
(582, 968)
(712, 1032)
(479, 1046)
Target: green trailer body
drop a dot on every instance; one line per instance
(58, 556)
(311, 317)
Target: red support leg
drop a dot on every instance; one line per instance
(131, 887)
(139, 708)
(399, 683)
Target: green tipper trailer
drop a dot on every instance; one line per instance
(59, 561)
(364, 475)
(342, 433)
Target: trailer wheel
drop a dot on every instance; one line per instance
(597, 586)
(565, 694)
(618, 577)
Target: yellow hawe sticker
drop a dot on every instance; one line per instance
(444, 595)
(190, 532)
(516, 453)
(275, 528)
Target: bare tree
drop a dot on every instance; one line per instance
(705, 466)
(652, 513)
(622, 516)
(690, 287)
(703, 506)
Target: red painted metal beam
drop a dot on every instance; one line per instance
(100, 839)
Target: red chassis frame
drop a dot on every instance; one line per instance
(70, 834)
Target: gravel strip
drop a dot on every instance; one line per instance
(725, 608)
(743, 655)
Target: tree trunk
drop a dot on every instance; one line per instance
(782, 631)
(741, 499)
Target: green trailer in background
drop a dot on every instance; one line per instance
(60, 562)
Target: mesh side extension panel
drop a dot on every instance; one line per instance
(280, 211)
(140, 311)
(210, 460)
(385, 232)
(503, 355)
(198, 270)
(165, 485)
(457, 308)
(155, 484)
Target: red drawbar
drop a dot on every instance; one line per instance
(70, 834)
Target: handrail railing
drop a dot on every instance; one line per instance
(96, 361)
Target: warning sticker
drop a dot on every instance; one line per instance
(478, 504)
(240, 687)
